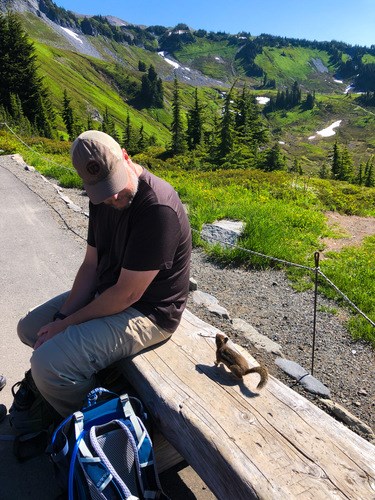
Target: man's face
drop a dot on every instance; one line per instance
(120, 200)
(124, 198)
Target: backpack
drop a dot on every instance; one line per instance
(105, 452)
(32, 419)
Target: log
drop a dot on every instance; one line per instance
(245, 444)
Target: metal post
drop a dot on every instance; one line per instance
(316, 259)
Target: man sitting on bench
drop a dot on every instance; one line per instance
(132, 286)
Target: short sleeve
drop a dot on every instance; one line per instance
(153, 240)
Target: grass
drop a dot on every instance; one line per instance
(284, 217)
(288, 64)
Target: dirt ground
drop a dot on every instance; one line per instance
(353, 228)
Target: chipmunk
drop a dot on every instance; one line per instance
(236, 362)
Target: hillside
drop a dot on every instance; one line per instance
(96, 61)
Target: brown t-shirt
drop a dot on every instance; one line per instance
(153, 233)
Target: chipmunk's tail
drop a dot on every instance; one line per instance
(263, 372)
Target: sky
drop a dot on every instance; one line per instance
(348, 21)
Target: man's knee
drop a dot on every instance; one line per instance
(39, 369)
(24, 331)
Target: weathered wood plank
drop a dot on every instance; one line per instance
(275, 444)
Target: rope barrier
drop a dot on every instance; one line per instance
(71, 170)
(346, 298)
(315, 269)
(258, 254)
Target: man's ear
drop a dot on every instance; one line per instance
(124, 152)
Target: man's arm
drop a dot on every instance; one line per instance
(84, 283)
(129, 288)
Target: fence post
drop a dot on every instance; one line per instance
(316, 259)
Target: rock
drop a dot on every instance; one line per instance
(219, 311)
(291, 368)
(193, 285)
(203, 298)
(308, 382)
(18, 158)
(259, 341)
(69, 202)
(223, 232)
(314, 386)
(348, 418)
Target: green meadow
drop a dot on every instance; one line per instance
(283, 213)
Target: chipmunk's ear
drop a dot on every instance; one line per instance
(226, 340)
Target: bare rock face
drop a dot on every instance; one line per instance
(21, 6)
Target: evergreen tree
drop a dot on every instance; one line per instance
(194, 129)
(359, 177)
(273, 159)
(67, 115)
(226, 128)
(18, 75)
(346, 166)
(178, 145)
(295, 97)
(142, 66)
(141, 139)
(152, 94)
(369, 180)
(309, 101)
(324, 171)
(108, 125)
(336, 162)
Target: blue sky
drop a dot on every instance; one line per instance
(351, 21)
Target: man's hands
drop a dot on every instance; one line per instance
(48, 331)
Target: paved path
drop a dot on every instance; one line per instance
(38, 259)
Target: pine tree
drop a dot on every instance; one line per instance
(226, 129)
(346, 166)
(67, 115)
(178, 145)
(273, 159)
(369, 180)
(309, 101)
(151, 94)
(324, 171)
(360, 177)
(18, 75)
(194, 129)
(108, 125)
(336, 162)
(141, 139)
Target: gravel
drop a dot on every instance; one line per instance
(264, 299)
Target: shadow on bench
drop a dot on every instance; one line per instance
(275, 444)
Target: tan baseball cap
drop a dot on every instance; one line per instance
(99, 161)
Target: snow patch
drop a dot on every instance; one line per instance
(327, 132)
(72, 34)
(169, 61)
(262, 100)
(338, 81)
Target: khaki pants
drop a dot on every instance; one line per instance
(64, 367)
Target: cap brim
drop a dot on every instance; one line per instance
(108, 187)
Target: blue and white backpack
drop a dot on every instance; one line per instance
(105, 452)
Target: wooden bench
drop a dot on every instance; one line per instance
(271, 445)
